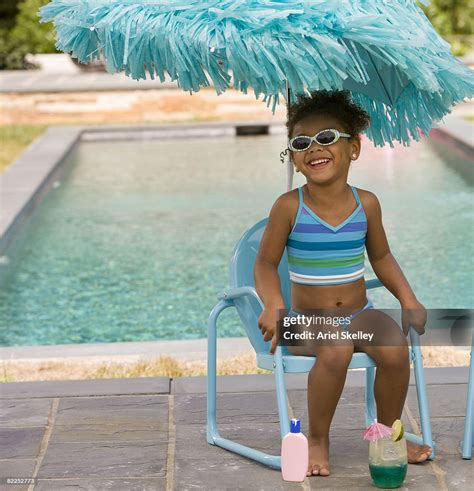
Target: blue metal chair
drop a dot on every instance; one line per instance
(468, 439)
(244, 298)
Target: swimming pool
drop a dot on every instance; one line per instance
(133, 243)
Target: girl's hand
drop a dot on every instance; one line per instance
(413, 315)
(267, 323)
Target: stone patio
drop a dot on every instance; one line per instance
(149, 434)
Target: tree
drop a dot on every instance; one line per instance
(454, 21)
(8, 11)
(24, 35)
(29, 33)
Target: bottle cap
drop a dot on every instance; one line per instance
(295, 426)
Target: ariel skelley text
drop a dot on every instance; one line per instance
(326, 336)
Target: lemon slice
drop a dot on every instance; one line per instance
(398, 431)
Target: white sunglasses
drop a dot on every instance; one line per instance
(324, 138)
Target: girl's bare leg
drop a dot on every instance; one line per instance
(392, 376)
(325, 383)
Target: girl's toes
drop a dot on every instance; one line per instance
(324, 472)
(426, 449)
(318, 470)
(418, 458)
(418, 453)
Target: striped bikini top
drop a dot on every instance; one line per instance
(320, 254)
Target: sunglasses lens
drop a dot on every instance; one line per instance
(326, 137)
(301, 143)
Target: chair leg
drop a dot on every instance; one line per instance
(281, 392)
(427, 438)
(213, 436)
(212, 432)
(468, 437)
(370, 410)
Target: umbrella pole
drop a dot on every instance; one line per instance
(289, 164)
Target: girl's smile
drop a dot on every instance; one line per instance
(318, 163)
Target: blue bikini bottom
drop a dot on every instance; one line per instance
(367, 306)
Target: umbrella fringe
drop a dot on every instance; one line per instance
(261, 43)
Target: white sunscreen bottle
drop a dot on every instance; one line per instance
(294, 454)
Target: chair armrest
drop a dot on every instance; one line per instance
(243, 291)
(373, 283)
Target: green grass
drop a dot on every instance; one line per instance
(14, 139)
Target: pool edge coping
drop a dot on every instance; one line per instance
(185, 350)
(25, 181)
(459, 130)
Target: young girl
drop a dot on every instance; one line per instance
(325, 226)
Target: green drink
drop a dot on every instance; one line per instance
(388, 462)
(388, 476)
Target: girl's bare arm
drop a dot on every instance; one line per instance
(386, 267)
(267, 281)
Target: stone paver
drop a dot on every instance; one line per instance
(452, 403)
(149, 484)
(20, 443)
(19, 468)
(89, 388)
(149, 411)
(24, 412)
(105, 459)
(444, 430)
(131, 441)
(231, 408)
(460, 473)
(110, 432)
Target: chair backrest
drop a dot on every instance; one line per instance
(241, 274)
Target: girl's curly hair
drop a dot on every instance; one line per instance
(335, 103)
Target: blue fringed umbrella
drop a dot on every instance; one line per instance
(387, 54)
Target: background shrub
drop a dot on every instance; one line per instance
(21, 33)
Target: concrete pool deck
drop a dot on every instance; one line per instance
(149, 434)
(188, 350)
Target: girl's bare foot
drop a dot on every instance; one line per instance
(318, 456)
(417, 453)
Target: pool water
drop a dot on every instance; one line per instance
(133, 243)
